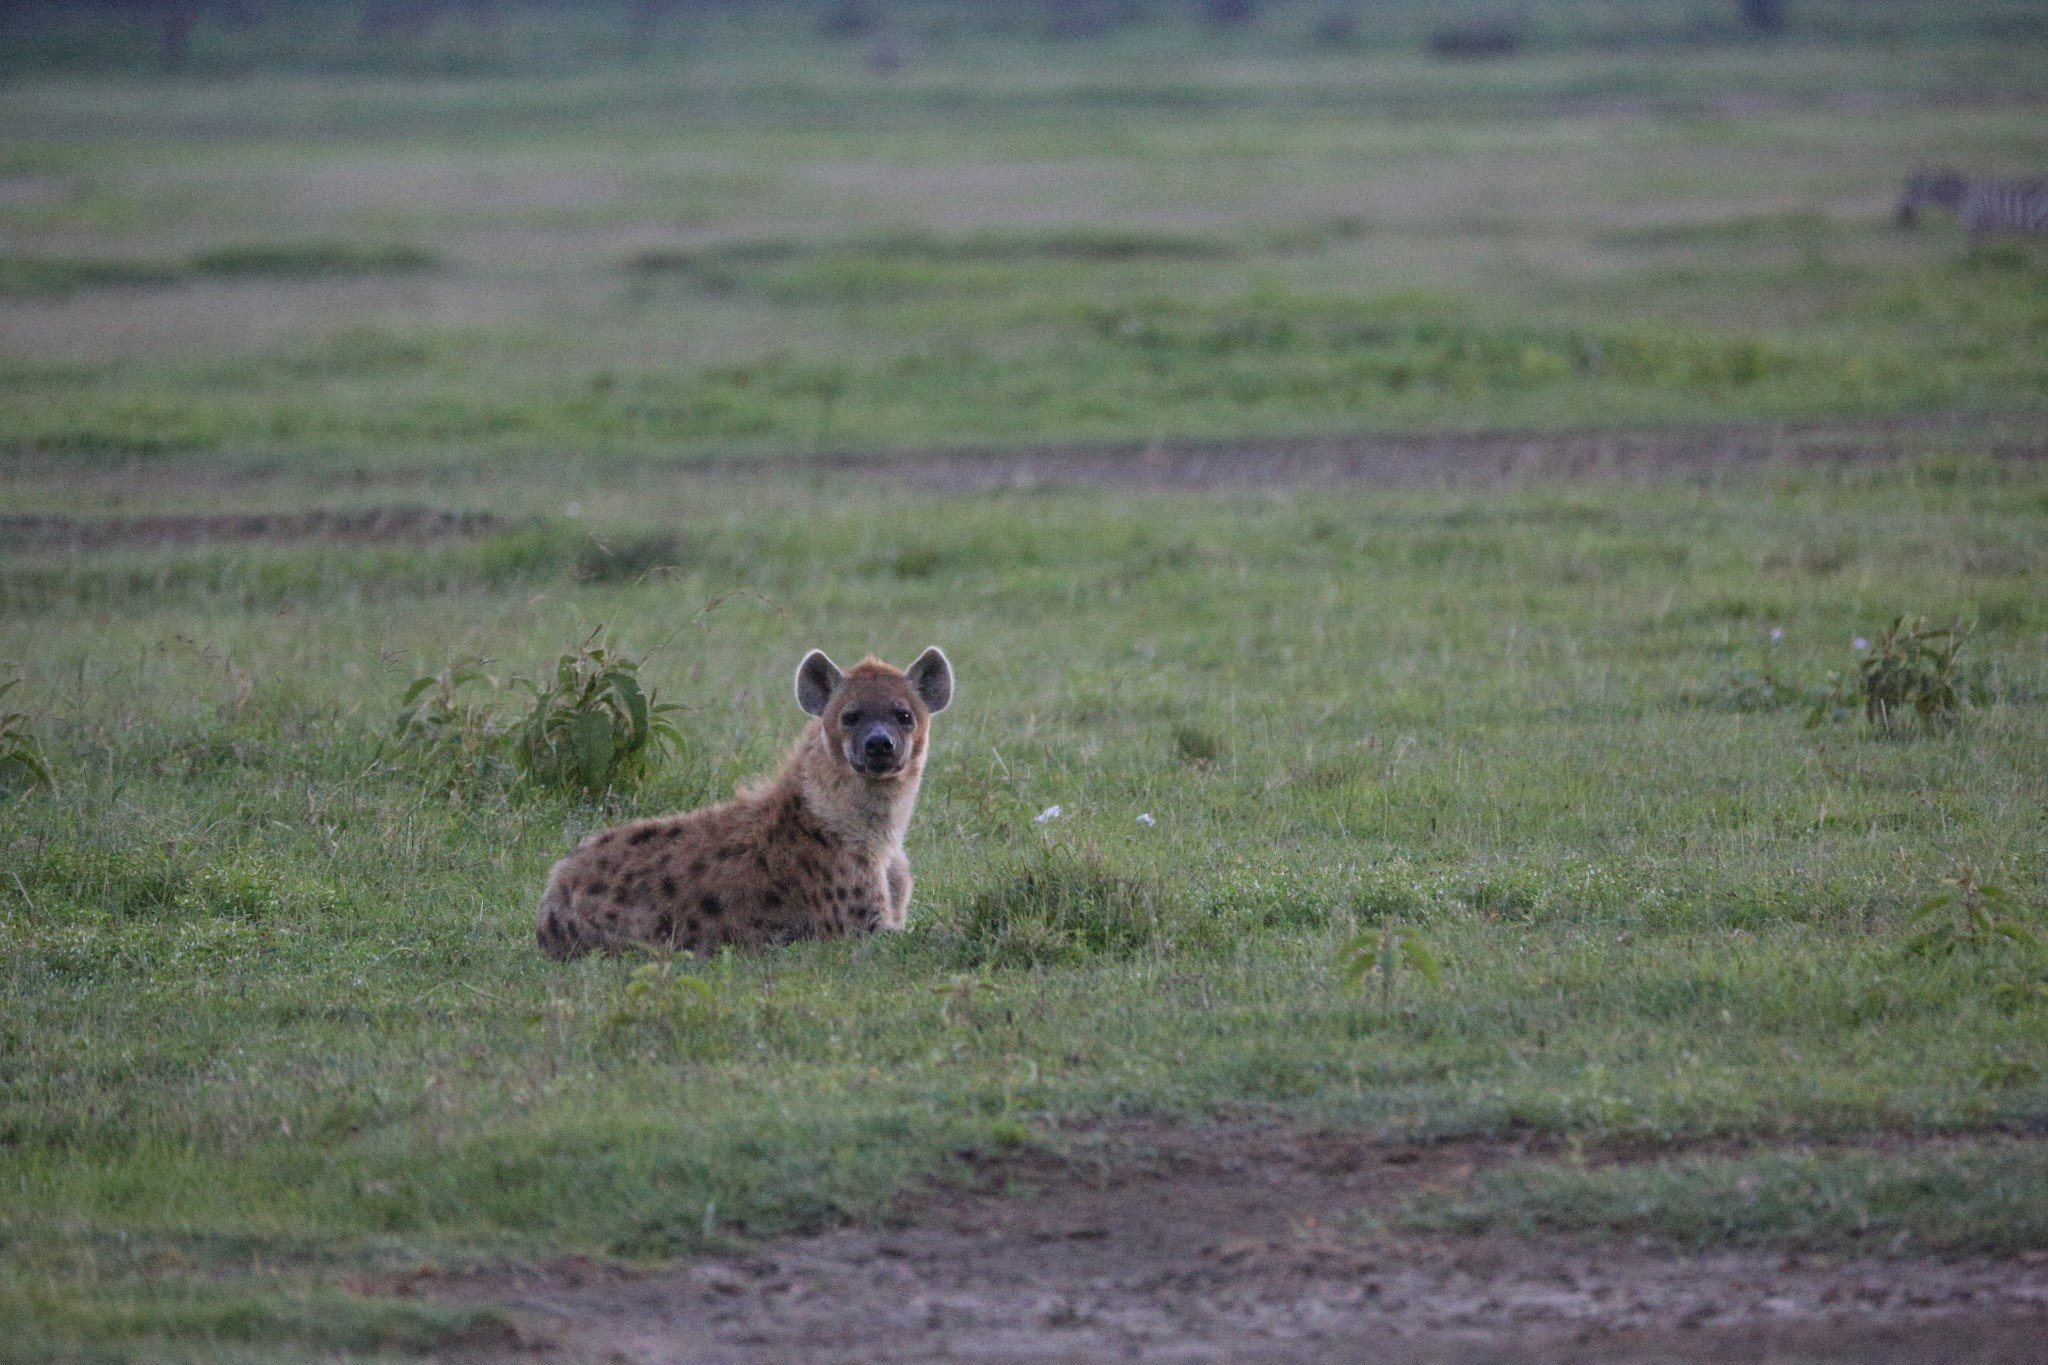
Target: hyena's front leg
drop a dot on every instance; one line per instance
(898, 874)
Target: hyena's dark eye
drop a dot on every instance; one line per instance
(903, 718)
(849, 718)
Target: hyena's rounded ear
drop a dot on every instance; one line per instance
(931, 677)
(817, 678)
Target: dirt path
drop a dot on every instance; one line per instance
(1475, 458)
(163, 532)
(1244, 1245)
(1455, 458)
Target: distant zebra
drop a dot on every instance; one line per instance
(1981, 206)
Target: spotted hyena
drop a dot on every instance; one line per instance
(814, 852)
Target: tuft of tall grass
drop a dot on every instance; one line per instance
(1065, 905)
(23, 767)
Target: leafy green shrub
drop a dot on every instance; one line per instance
(1910, 671)
(23, 768)
(592, 727)
(1064, 905)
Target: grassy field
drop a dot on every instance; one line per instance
(271, 1014)
(273, 1004)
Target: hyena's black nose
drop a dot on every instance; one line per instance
(879, 747)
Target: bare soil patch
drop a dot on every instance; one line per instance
(1475, 458)
(365, 524)
(1479, 459)
(1246, 1244)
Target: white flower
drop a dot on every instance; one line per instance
(1049, 813)
(1777, 632)
(1860, 643)
(1147, 819)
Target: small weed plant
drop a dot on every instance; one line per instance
(443, 718)
(593, 726)
(957, 994)
(1970, 916)
(1910, 672)
(1381, 955)
(1759, 687)
(659, 997)
(23, 768)
(1069, 905)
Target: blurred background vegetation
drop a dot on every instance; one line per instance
(237, 36)
(378, 233)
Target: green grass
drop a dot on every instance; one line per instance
(1943, 1198)
(42, 276)
(272, 996)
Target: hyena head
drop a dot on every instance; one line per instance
(876, 718)
(1943, 188)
